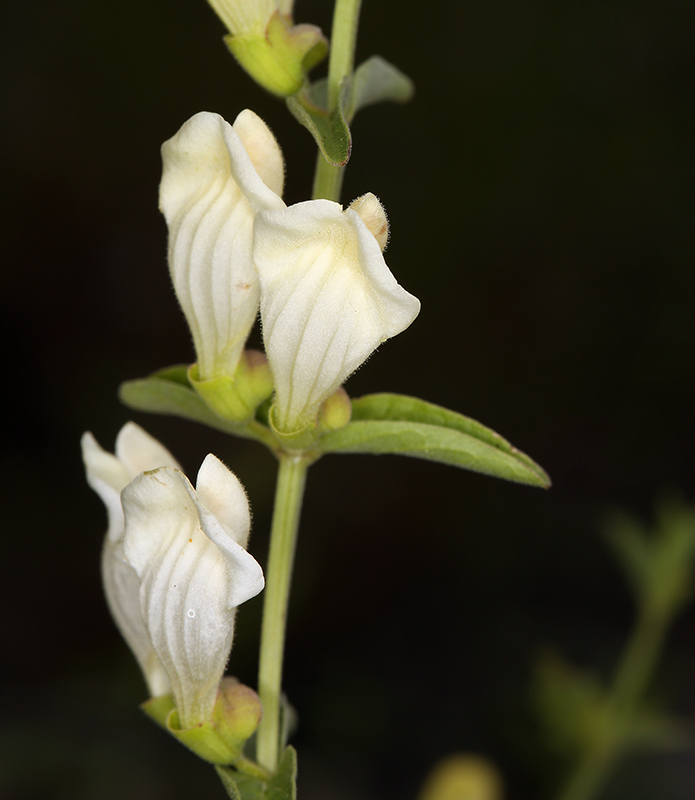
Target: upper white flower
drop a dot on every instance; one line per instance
(108, 475)
(187, 547)
(215, 178)
(328, 300)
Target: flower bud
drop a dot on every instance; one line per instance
(463, 777)
(335, 412)
(219, 740)
(372, 213)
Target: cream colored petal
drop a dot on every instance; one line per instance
(372, 213)
(193, 575)
(327, 301)
(107, 476)
(138, 451)
(222, 494)
(263, 149)
(209, 194)
(122, 590)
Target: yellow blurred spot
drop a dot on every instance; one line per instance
(463, 777)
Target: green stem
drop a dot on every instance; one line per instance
(328, 180)
(292, 473)
(639, 660)
(283, 536)
(343, 40)
(631, 680)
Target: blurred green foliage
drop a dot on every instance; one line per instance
(540, 193)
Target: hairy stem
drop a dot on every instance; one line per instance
(283, 537)
(328, 180)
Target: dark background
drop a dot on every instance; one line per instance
(541, 195)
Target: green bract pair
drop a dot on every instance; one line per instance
(316, 270)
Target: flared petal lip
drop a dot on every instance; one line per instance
(203, 132)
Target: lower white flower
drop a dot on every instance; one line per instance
(328, 300)
(108, 475)
(187, 547)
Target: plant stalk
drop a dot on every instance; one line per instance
(292, 472)
(328, 180)
(289, 494)
(632, 677)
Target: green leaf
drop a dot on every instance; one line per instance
(659, 563)
(573, 707)
(580, 715)
(378, 81)
(385, 406)
(168, 391)
(330, 130)
(228, 776)
(281, 786)
(374, 81)
(388, 423)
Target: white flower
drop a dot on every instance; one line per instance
(215, 178)
(187, 547)
(108, 475)
(328, 300)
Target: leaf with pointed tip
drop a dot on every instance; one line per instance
(378, 81)
(228, 777)
(280, 786)
(386, 406)
(388, 423)
(329, 129)
(374, 81)
(283, 785)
